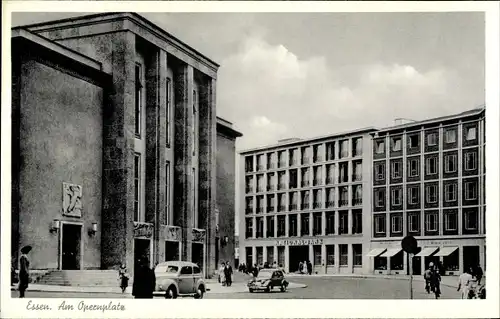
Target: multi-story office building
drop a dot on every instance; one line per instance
(114, 144)
(307, 200)
(428, 182)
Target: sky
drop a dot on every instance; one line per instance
(286, 75)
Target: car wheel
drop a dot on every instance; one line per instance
(171, 293)
(268, 289)
(199, 293)
(283, 288)
(250, 290)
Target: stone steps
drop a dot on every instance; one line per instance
(82, 278)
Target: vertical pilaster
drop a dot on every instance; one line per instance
(287, 259)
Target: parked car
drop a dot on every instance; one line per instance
(268, 279)
(179, 278)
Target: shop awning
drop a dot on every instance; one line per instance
(376, 252)
(445, 251)
(391, 252)
(427, 251)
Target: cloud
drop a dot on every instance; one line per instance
(271, 93)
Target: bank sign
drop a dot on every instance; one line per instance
(299, 242)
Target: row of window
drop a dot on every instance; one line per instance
(319, 259)
(470, 194)
(470, 223)
(275, 226)
(303, 156)
(431, 140)
(290, 179)
(290, 201)
(431, 165)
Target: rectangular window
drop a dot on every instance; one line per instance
(168, 111)
(137, 187)
(330, 223)
(450, 136)
(470, 220)
(450, 163)
(414, 223)
(470, 190)
(450, 192)
(357, 222)
(431, 165)
(249, 228)
(413, 167)
(281, 225)
(343, 223)
(412, 141)
(413, 195)
(431, 222)
(431, 194)
(270, 226)
(380, 224)
(396, 144)
(330, 255)
(380, 198)
(397, 224)
(380, 147)
(396, 170)
(317, 255)
(470, 133)
(195, 200)
(396, 196)
(358, 146)
(167, 193)
(344, 255)
(317, 227)
(470, 161)
(380, 171)
(138, 99)
(450, 221)
(330, 151)
(357, 255)
(432, 139)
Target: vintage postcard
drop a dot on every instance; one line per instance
(250, 159)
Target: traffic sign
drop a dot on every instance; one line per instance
(409, 245)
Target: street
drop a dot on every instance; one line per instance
(317, 288)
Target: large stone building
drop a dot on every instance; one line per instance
(429, 182)
(308, 200)
(114, 145)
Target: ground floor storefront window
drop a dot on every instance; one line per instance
(451, 262)
(397, 261)
(330, 255)
(317, 255)
(357, 255)
(344, 255)
(281, 256)
(380, 263)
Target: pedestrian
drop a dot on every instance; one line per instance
(144, 281)
(255, 271)
(427, 277)
(222, 278)
(479, 274)
(24, 270)
(464, 282)
(124, 277)
(436, 282)
(309, 268)
(228, 274)
(301, 266)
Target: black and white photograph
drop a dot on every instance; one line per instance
(169, 151)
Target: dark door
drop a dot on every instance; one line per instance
(171, 250)
(197, 254)
(71, 243)
(141, 251)
(471, 257)
(297, 254)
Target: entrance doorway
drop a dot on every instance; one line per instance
(171, 250)
(142, 251)
(197, 254)
(471, 257)
(417, 263)
(297, 254)
(71, 246)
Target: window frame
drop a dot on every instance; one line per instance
(394, 143)
(427, 222)
(447, 135)
(377, 219)
(468, 160)
(435, 137)
(378, 198)
(427, 193)
(467, 129)
(467, 219)
(428, 165)
(467, 189)
(410, 197)
(393, 218)
(417, 169)
(411, 224)
(447, 221)
(393, 197)
(455, 163)
(393, 170)
(454, 192)
(378, 174)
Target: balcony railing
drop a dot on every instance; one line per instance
(281, 234)
(248, 234)
(270, 208)
(292, 185)
(316, 232)
(317, 205)
(271, 187)
(329, 231)
(357, 201)
(249, 210)
(342, 231)
(357, 230)
(260, 210)
(304, 232)
(305, 183)
(293, 207)
(343, 179)
(259, 234)
(281, 208)
(343, 202)
(304, 206)
(270, 234)
(330, 204)
(249, 189)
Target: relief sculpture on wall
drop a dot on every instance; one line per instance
(72, 200)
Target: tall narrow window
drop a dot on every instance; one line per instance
(195, 206)
(138, 99)
(168, 111)
(195, 121)
(137, 187)
(167, 194)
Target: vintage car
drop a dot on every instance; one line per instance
(267, 279)
(179, 278)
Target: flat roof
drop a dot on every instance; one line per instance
(21, 33)
(123, 15)
(309, 140)
(456, 116)
(225, 127)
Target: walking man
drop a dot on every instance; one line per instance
(464, 282)
(24, 270)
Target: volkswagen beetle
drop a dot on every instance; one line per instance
(268, 279)
(179, 278)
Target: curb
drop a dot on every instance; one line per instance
(295, 286)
